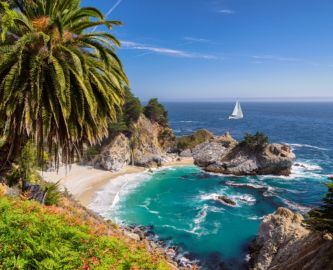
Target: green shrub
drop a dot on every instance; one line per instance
(255, 142)
(35, 237)
(156, 112)
(26, 167)
(53, 196)
(191, 141)
(321, 218)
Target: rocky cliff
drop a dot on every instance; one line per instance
(226, 155)
(147, 146)
(284, 243)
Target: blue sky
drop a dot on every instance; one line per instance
(225, 49)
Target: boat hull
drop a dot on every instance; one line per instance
(235, 118)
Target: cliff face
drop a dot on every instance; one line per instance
(225, 155)
(284, 243)
(147, 146)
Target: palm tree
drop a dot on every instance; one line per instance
(60, 84)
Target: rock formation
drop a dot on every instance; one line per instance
(116, 155)
(284, 243)
(147, 147)
(225, 155)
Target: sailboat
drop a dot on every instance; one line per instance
(237, 113)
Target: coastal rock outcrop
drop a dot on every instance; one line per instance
(116, 155)
(284, 243)
(147, 143)
(226, 155)
(147, 146)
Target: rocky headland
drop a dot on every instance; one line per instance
(151, 145)
(227, 156)
(283, 242)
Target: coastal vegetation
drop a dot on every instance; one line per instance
(191, 141)
(156, 112)
(321, 218)
(255, 142)
(65, 237)
(61, 84)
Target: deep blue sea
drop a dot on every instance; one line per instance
(178, 202)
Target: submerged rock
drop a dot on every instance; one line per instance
(226, 200)
(225, 155)
(284, 243)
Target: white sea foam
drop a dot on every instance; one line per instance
(297, 145)
(109, 197)
(255, 218)
(295, 206)
(245, 198)
(249, 185)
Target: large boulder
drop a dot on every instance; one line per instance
(284, 243)
(225, 155)
(116, 155)
(146, 143)
(191, 141)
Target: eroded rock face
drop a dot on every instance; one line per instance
(227, 156)
(116, 155)
(147, 147)
(146, 143)
(284, 243)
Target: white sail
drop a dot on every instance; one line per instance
(237, 112)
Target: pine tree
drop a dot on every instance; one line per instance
(321, 218)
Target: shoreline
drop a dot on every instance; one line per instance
(83, 182)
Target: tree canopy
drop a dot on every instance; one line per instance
(60, 83)
(321, 218)
(155, 111)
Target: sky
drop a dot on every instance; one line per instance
(215, 50)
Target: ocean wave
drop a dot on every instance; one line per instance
(297, 145)
(109, 197)
(255, 218)
(244, 198)
(246, 185)
(295, 206)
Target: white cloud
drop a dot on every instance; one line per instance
(166, 51)
(226, 11)
(275, 57)
(199, 40)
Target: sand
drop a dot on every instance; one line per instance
(84, 181)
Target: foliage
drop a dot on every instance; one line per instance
(26, 166)
(322, 218)
(156, 112)
(37, 237)
(92, 152)
(53, 195)
(191, 141)
(255, 142)
(60, 84)
(132, 108)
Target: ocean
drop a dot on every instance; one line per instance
(178, 202)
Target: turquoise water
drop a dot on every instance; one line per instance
(179, 202)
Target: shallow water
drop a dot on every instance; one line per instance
(179, 202)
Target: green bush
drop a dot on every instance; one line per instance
(191, 141)
(26, 167)
(255, 142)
(35, 237)
(321, 218)
(156, 112)
(53, 196)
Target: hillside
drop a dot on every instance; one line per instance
(67, 236)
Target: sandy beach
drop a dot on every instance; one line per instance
(84, 181)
